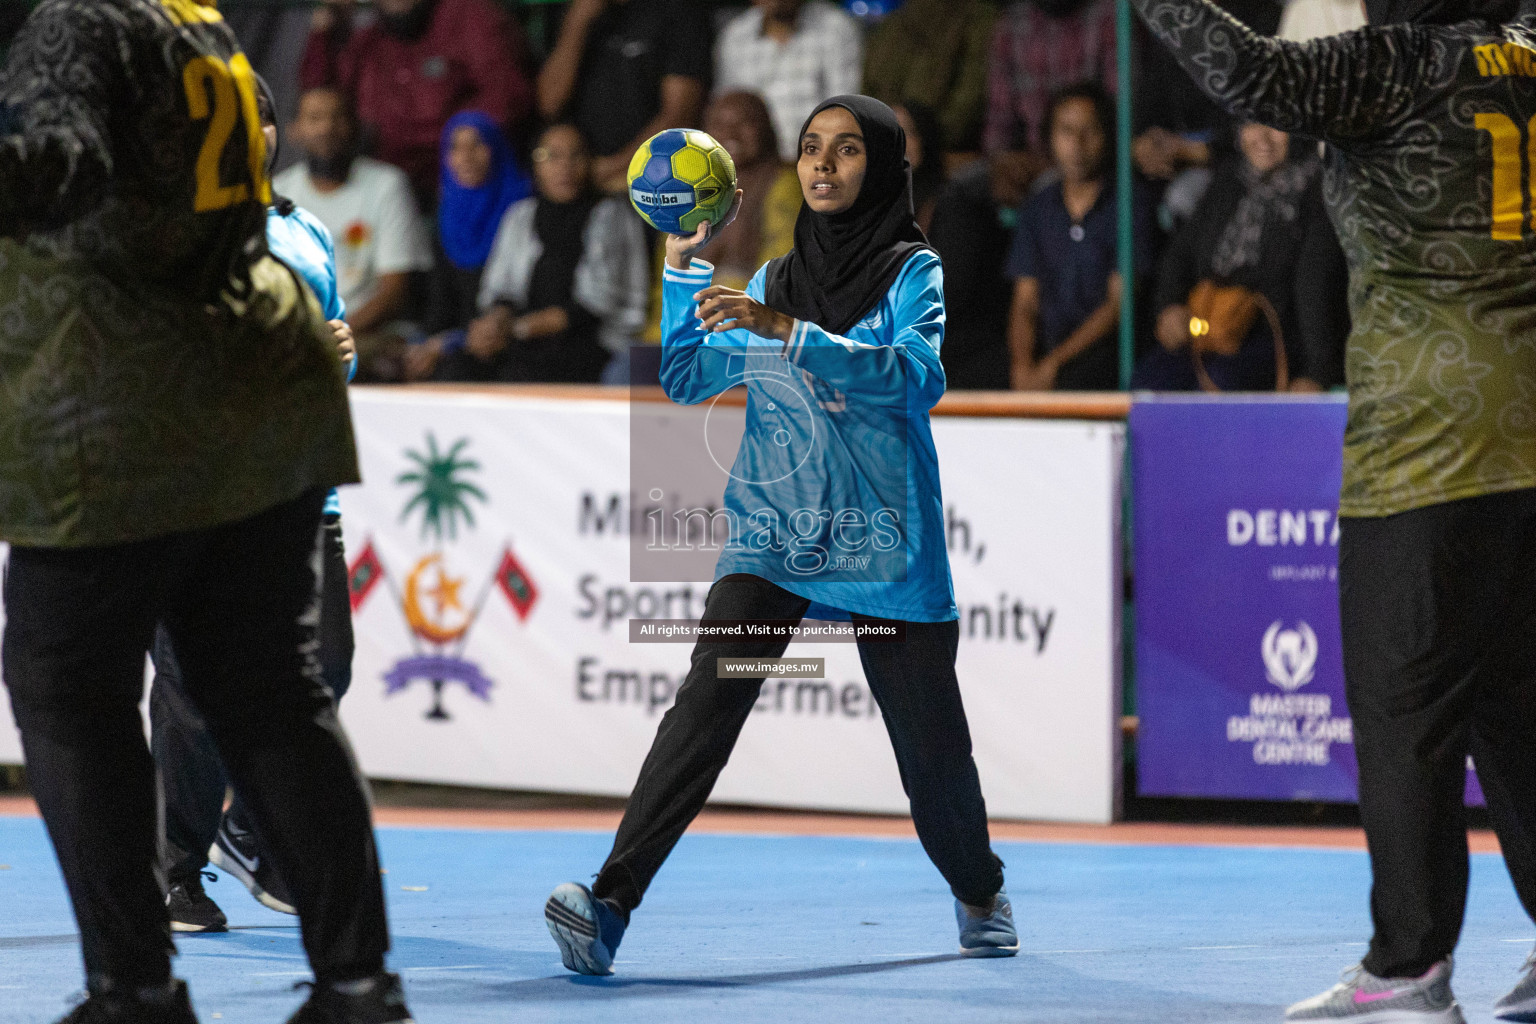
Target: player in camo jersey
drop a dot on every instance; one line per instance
(171, 416)
(1428, 117)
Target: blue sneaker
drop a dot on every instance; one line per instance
(987, 932)
(585, 928)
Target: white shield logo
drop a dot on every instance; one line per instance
(1290, 655)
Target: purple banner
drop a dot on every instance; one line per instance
(1239, 669)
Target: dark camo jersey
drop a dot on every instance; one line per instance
(1431, 158)
(159, 372)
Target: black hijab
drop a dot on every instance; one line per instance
(1438, 12)
(843, 264)
(562, 229)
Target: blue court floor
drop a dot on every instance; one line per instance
(746, 929)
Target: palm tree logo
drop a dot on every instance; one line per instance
(433, 607)
(443, 494)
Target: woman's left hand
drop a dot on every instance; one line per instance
(487, 335)
(609, 172)
(1039, 377)
(725, 309)
(346, 348)
(540, 323)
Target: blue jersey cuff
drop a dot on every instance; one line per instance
(698, 274)
(796, 343)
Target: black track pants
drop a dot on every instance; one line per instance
(1439, 617)
(192, 778)
(240, 604)
(913, 682)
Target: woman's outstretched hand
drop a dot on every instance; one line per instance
(681, 248)
(725, 309)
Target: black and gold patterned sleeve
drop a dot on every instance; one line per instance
(66, 68)
(1342, 89)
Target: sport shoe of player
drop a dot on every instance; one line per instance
(1362, 998)
(191, 909)
(987, 931)
(586, 929)
(375, 1000)
(235, 850)
(1519, 1003)
(168, 1005)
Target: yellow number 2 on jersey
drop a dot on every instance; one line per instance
(1509, 195)
(224, 95)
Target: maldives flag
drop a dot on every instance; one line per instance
(515, 582)
(363, 575)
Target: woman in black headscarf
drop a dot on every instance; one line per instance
(835, 513)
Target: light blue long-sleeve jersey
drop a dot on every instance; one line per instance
(304, 244)
(835, 490)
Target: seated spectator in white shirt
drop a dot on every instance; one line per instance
(381, 239)
(793, 53)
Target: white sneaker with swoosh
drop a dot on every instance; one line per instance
(235, 850)
(1362, 998)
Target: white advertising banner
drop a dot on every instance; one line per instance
(490, 571)
(490, 555)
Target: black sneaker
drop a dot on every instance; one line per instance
(191, 909)
(375, 1000)
(234, 849)
(145, 1006)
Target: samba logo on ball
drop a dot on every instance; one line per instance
(681, 178)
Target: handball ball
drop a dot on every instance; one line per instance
(681, 178)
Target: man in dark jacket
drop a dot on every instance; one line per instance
(1427, 115)
(172, 415)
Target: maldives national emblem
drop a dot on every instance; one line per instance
(433, 600)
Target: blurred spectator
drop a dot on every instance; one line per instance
(925, 158)
(765, 225)
(792, 53)
(418, 64)
(1261, 226)
(564, 291)
(1066, 297)
(366, 205)
(1039, 47)
(1176, 122)
(1312, 19)
(972, 223)
(481, 180)
(621, 71)
(1322, 312)
(934, 52)
(1180, 133)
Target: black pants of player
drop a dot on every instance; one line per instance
(914, 683)
(192, 778)
(240, 604)
(1439, 617)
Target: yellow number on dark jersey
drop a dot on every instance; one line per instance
(225, 96)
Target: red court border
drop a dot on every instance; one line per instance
(735, 822)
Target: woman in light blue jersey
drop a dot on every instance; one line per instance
(835, 513)
(193, 783)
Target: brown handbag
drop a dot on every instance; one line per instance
(1220, 317)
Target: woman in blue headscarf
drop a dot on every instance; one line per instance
(481, 178)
